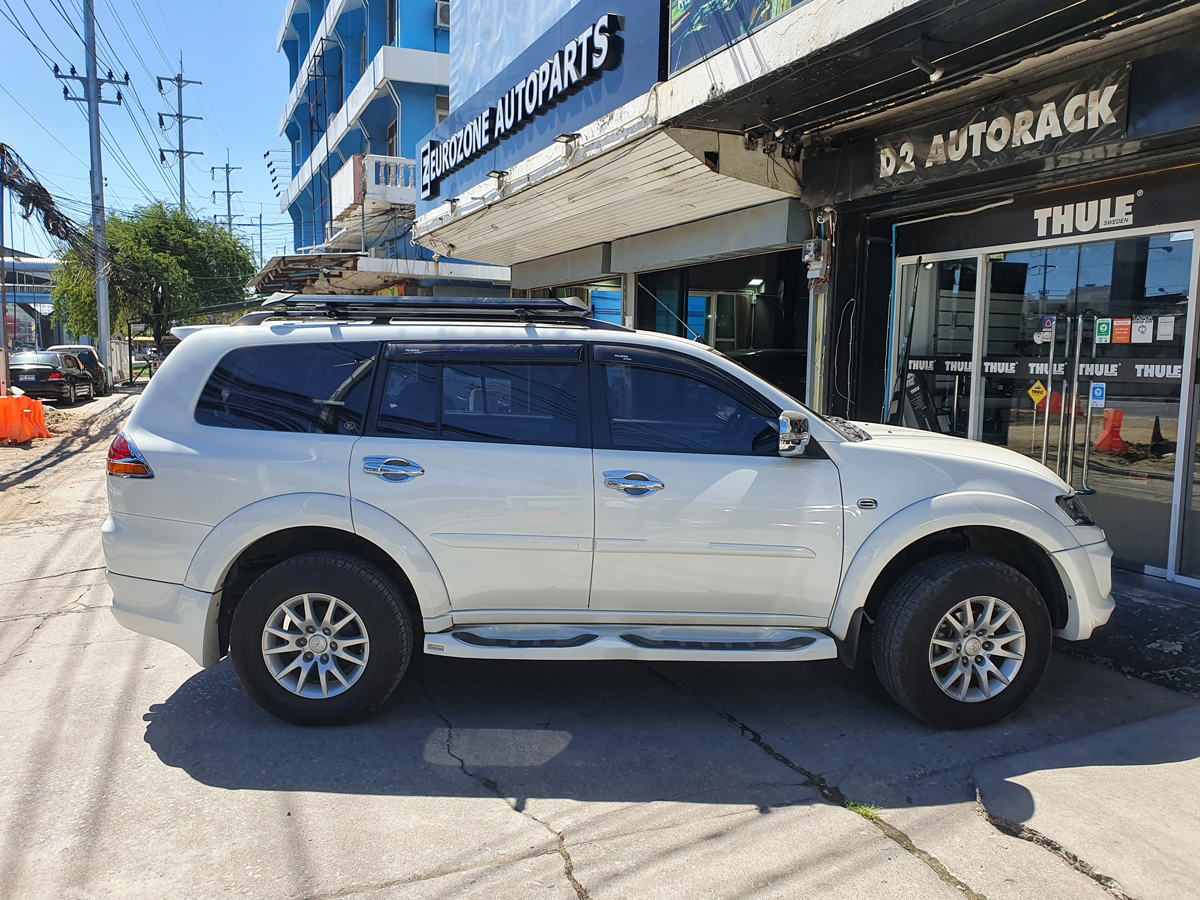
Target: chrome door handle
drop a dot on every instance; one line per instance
(635, 484)
(391, 468)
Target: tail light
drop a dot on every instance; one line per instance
(55, 376)
(125, 461)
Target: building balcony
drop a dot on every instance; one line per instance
(367, 195)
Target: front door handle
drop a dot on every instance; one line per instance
(391, 468)
(635, 484)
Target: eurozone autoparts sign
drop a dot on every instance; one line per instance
(581, 60)
(1092, 110)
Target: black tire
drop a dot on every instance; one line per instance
(69, 400)
(913, 610)
(375, 599)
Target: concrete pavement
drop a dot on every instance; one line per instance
(129, 772)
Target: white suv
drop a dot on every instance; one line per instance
(318, 496)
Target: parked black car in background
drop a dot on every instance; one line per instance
(91, 361)
(51, 375)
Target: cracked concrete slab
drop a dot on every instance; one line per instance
(800, 851)
(1122, 801)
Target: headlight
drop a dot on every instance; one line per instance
(1075, 510)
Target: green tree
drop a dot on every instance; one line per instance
(163, 266)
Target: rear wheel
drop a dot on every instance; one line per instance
(961, 640)
(321, 639)
(70, 398)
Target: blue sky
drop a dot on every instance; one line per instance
(229, 45)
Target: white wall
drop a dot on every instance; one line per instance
(486, 35)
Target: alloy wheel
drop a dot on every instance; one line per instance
(315, 645)
(977, 649)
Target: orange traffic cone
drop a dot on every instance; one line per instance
(1110, 440)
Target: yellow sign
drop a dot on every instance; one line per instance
(1037, 393)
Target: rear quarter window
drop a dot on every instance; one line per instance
(312, 388)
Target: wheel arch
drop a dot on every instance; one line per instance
(1002, 527)
(254, 538)
(272, 549)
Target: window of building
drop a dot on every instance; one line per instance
(311, 388)
(362, 55)
(441, 108)
(393, 142)
(393, 21)
(655, 410)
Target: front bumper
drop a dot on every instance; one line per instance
(173, 613)
(1086, 573)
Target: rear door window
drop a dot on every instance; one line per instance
(321, 388)
(499, 393)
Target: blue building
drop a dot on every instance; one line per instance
(368, 79)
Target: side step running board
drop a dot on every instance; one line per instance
(661, 642)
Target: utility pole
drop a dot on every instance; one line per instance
(179, 81)
(227, 168)
(92, 85)
(3, 306)
(262, 260)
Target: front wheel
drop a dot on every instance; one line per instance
(321, 639)
(961, 641)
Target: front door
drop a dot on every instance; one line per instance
(482, 452)
(695, 510)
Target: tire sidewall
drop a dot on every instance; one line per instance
(386, 620)
(917, 682)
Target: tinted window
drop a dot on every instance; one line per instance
(86, 357)
(651, 409)
(522, 403)
(409, 404)
(41, 359)
(315, 388)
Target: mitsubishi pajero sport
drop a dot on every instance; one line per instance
(322, 495)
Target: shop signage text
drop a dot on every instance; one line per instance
(1122, 371)
(582, 60)
(1110, 212)
(1090, 111)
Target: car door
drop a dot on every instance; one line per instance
(695, 510)
(482, 451)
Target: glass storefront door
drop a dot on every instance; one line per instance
(939, 330)
(1123, 305)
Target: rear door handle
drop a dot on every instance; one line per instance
(634, 484)
(392, 468)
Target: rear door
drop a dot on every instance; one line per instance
(482, 451)
(695, 509)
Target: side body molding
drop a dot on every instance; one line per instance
(935, 514)
(241, 529)
(402, 545)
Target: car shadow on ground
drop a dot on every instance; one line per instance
(627, 732)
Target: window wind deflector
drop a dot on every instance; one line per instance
(846, 429)
(485, 351)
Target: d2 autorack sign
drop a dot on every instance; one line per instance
(1048, 121)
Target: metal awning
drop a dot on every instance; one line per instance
(355, 273)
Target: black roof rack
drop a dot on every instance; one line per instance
(382, 310)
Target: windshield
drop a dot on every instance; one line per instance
(848, 430)
(45, 359)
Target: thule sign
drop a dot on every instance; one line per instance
(581, 60)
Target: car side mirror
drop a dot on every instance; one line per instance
(793, 433)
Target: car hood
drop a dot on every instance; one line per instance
(961, 449)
